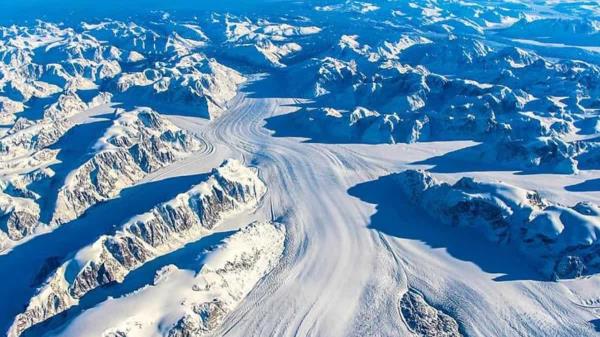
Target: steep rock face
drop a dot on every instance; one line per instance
(371, 52)
(334, 75)
(512, 67)
(562, 241)
(51, 73)
(138, 143)
(26, 137)
(19, 218)
(24, 88)
(46, 60)
(52, 299)
(229, 190)
(100, 178)
(66, 105)
(198, 301)
(425, 320)
(395, 103)
(26, 154)
(138, 41)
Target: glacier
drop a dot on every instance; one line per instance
(315, 168)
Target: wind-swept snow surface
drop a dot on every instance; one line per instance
(324, 168)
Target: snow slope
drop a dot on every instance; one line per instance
(229, 190)
(196, 303)
(489, 229)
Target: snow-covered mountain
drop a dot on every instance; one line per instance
(371, 94)
(299, 168)
(229, 190)
(197, 303)
(562, 240)
(138, 143)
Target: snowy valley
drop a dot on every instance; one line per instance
(319, 168)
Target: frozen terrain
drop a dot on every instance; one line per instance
(320, 168)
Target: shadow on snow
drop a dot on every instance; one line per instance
(188, 257)
(591, 185)
(75, 149)
(398, 217)
(18, 283)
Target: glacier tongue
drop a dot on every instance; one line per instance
(229, 190)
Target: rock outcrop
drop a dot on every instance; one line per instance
(229, 190)
(138, 143)
(562, 241)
